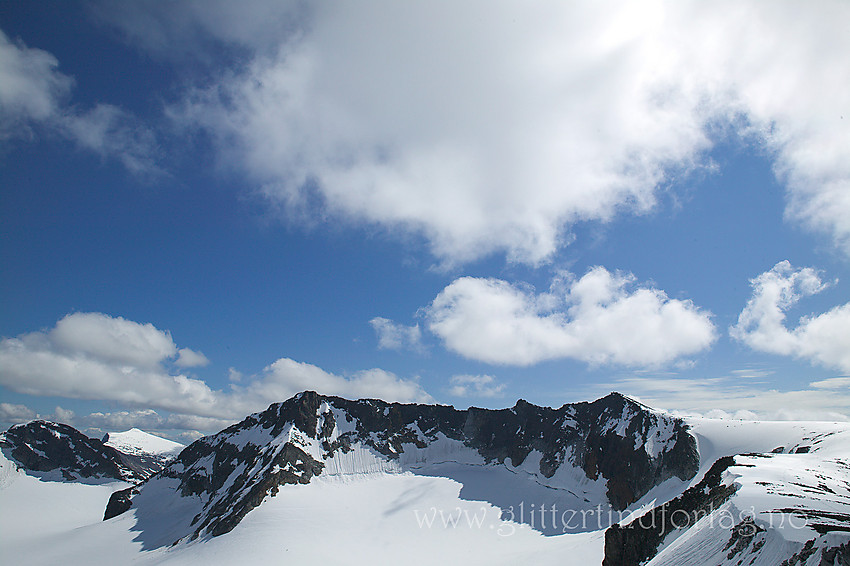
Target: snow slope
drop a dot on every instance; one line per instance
(35, 512)
(791, 499)
(139, 442)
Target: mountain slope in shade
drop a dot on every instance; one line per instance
(596, 457)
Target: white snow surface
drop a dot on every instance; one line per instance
(139, 442)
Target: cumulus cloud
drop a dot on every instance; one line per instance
(33, 92)
(187, 358)
(150, 420)
(285, 377)
(823, 339)
(489, 127)
(113, 339)
(12, 413)
(734, 397)
(601, 318)
(96, 356)
(394, 336)
(475, 386)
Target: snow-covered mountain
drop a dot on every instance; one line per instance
(327, 479)
(606, 454)
(141, 443)
(56, 451)
(785, 500)
(150, 453)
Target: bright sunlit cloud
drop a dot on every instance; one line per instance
(823, 339)
(487, 129)
(600, 318)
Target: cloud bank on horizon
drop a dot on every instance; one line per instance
(96, 356)
(484, 128)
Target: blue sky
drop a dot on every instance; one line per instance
(207, 208)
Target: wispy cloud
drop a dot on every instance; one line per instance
(476, 386)
(823, 339)
(600, 318)
(394, 336)
(731, 396)
(34, 95)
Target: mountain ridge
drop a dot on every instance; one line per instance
(46, 447)
(759, 493)
(614, 442)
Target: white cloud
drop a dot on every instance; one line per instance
(112, 339)
(602, 318)
(491, 127)
(823, 339)
(150, 420)
(475, 386)
(31, 87)
(110, 132)
(13, 414)
(187, 358)
(185, 29)
(286, 377)
(34, 92)
(393, 336)
(96, 356)
(732, 397)
(832, 383)
(179, 425)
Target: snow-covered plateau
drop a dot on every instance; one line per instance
(367, 482)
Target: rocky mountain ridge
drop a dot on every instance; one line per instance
(60, 450)
(614, 442)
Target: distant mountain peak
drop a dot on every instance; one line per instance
(136, 441)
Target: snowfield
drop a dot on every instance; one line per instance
(444, 505)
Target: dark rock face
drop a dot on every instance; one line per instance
(43, 446)
(637, 542)
(119, 502)
(614, 438)
(836, 556)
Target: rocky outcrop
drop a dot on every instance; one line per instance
(119, 502)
